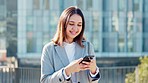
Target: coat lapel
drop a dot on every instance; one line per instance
(62, 55)
(79, 52)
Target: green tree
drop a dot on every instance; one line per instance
(140, 75)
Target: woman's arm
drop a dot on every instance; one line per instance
(93, 67)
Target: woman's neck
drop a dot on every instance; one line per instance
(68, 40)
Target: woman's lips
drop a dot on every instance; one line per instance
(73, 32)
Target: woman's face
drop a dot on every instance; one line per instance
(74, 27)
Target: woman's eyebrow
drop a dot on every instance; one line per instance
(74, 21)
(70, 21)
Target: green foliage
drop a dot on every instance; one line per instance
(140, 75)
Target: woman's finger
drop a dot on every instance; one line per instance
(86, 63)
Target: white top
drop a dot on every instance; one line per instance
(70, 50)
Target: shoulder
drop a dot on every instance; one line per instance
(86, 42)
(49, 45)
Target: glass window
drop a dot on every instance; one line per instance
(80, 4)
(30, 35)
(145, 5)
(145, 35)
(46, 3)
(105, 24)
(46, 38)
(136, 5)
(29, 13)
(11, 6)
(122, 5)
(31, 42)
(46, 24)
(95, 21)
(106, 6)
(89, 4)
(2, 2)
(87, 28)
(105, 45)
(109, 42)
(39, 23)
(115, 23)
(2, 43)
(95, 41)
(145, 42)
(130, 22)
(36, 4)
(29, 24)
(114, 5)
(95, 31)
(138, 22)
(130, 44)
(2, 12)
(121, 44)
(130, 35)
(29, 5)
(2, 29)
(53, 22)
(145, 24)
(130, 5)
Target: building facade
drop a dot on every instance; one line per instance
(117, 28)
(8, 29)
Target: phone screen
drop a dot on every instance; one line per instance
(87, 58)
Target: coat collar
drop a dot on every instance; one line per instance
(62, 55)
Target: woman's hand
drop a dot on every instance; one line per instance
(91, 66)
(76, 66)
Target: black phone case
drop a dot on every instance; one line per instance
(87, 58)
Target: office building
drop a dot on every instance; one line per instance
(117, 28)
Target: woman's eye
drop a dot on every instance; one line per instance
(79, 25)
(71, 24)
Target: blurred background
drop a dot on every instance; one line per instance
(117, 29)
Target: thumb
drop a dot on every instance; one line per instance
(80, 59)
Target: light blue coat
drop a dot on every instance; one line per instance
(54, 59)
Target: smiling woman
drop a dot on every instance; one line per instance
(71, 17)
(61, 60)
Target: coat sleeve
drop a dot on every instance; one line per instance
(48, 74)
(97, 77)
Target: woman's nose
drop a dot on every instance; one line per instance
(75, 27)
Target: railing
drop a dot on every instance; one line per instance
(115, 74)
(32, 75)
(19, 75)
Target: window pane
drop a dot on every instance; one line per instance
(31, 42)
(80, 4)
(122, 5)
(115, 23)
(36, 4)
(89, 4)
(137, 5)
(46, 2)
(145, 42)
(109, 42)
(121, 44)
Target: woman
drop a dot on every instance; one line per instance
(61, 60)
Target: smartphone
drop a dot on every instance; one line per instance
(87, 58)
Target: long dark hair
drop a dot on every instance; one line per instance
(62, 24)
